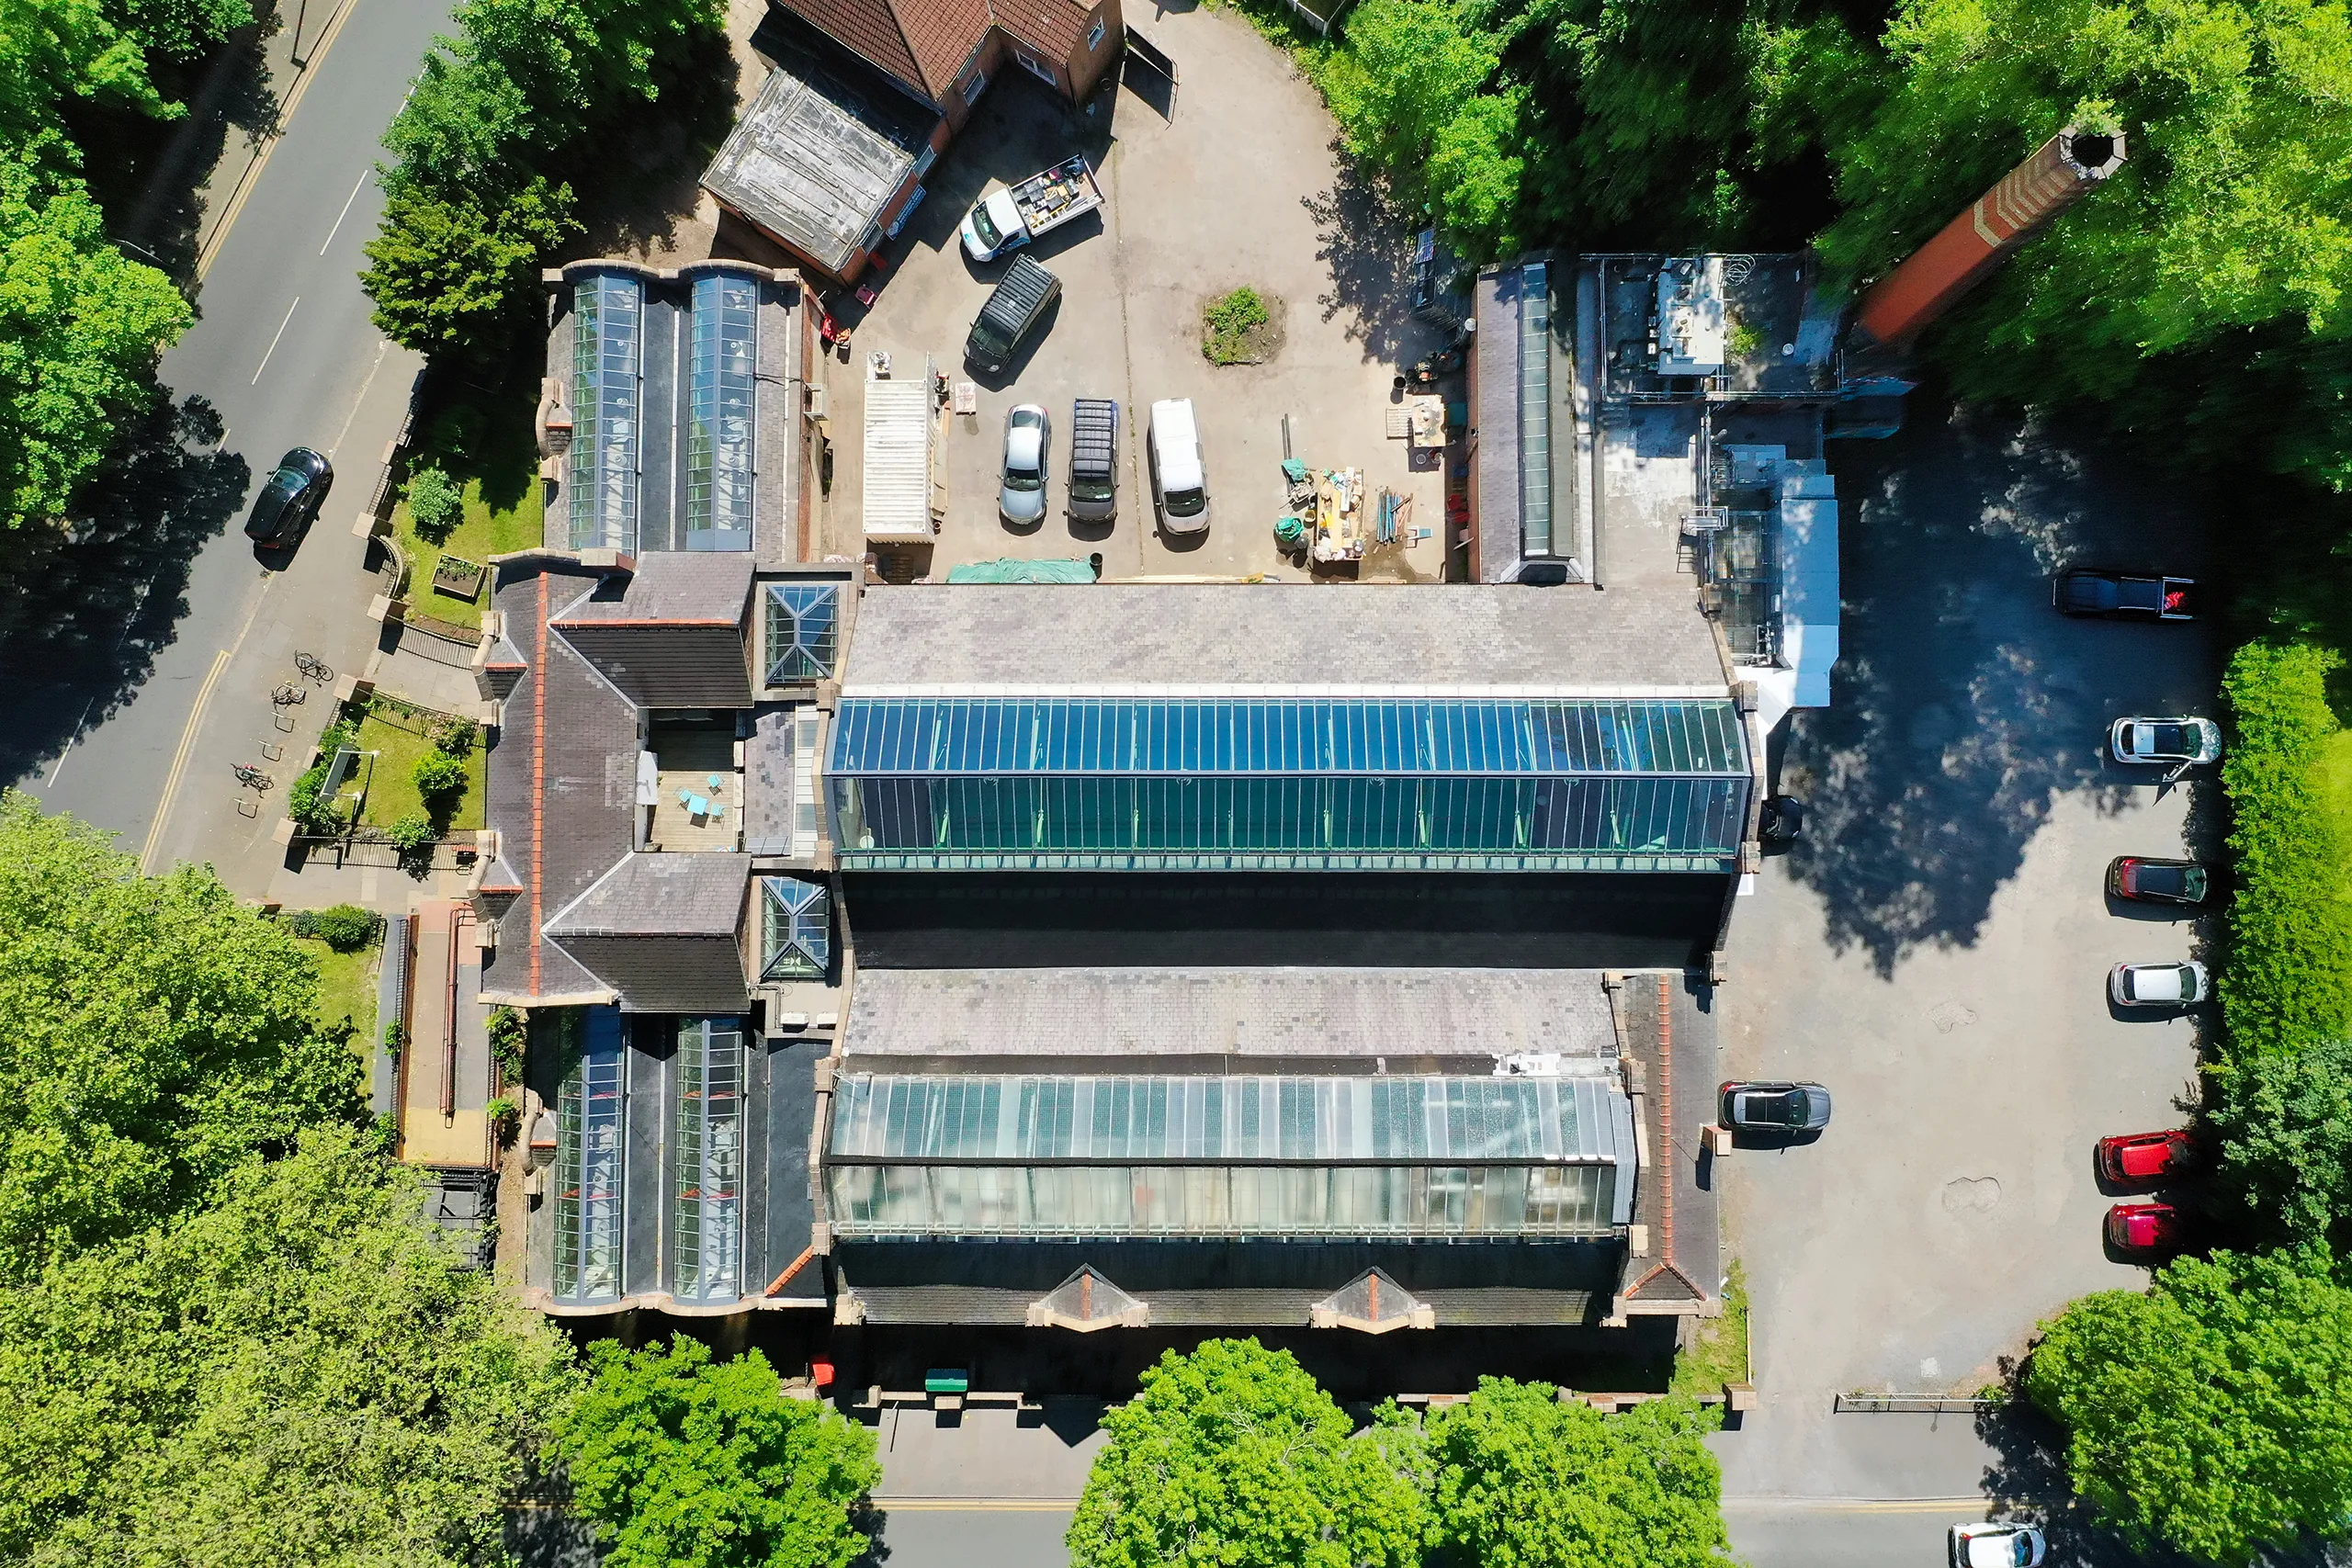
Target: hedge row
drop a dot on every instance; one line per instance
(2288, 983)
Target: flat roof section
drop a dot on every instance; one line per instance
(1279, 639)
(814, 160)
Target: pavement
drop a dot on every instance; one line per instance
(139, 738)
(1237, 184)
(1936, 949)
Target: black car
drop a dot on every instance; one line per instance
(2125, 595)
(2145, 881)
(1774, 1107)
(290, 498)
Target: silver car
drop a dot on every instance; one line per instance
(2182, 740)
(1028, 440)
(2177, 984)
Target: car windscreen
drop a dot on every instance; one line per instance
(1090, 489)
(986, 341)
(1186, 503)
(990, 236)
(2192, 882)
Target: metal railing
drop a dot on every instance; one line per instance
(1910, 1405)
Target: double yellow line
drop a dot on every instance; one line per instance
(210, 249)
(179, 763)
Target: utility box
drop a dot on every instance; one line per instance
(948, 1380)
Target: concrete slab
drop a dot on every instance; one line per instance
(1241, 187)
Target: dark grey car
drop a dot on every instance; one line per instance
(290, 498)
(1775, 1106)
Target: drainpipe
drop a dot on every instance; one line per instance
(2059, 174)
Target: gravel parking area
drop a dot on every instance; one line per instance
(1937, 951)
(1237, 184)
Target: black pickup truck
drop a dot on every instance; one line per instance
(2125, 595)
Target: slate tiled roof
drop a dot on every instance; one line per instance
(670, 587)
(1272, 1013)
(660, 895)
(1287, 638)
(671, 634)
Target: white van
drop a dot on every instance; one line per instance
(1180, 484)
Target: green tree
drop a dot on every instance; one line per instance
(80, 328)
(153, 1033)
(2228, 221)
(307, 1371)
(55, 50)
(2214, 1412)
(449, 276)
(2285, 1121)
(181, 29)
(434, 504)
(439, 778)
(690, 1463)
(1523, 1481)
(1409, 91)
(1234, 1455)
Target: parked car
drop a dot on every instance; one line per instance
(1767, 1107)
(2129, 1159)
(290, 498)
(1996, 1546)
(2146, 881)
(2173, 985)
(1022, 295)
(1093, 460)
(2151, 1231)
(2181, 740)
(1006, 219)
(1781, 823)
(1180, 484)
(1028, 442)
(2125, 595)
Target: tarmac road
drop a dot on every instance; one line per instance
(286, 354)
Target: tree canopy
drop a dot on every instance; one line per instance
(1232, 1454)
(2285, 1120)
(305, 1371)
(153, 1033)
(2212, 1413)
(686, 1462)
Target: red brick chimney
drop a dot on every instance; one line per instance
(1973, 243)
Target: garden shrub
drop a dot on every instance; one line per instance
(434, 504)
(411, 834)
(439, 778)
(307, 802)
(346, 928)
(456, 737)
(2287, 982)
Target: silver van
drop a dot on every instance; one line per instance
(1179, 483)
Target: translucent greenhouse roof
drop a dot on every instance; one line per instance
(607, 386)
(719, 437)
(1161, 1120)
(1240, 738)
(803, 631)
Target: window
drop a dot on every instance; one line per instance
(796, 935)
(1038, 68)
(719, 435)
(976, 86)
(605, 368)
(802, 631)
(709, 1214)
(588, 1160)
(1094, 35)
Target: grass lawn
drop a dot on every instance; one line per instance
(1720, 1353)
(484, 533)
(391, 794)
(346, 987)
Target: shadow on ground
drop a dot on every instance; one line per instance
(1963, 704)
(1369, 246)
(83, 611)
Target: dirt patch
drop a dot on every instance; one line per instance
(1244, 326)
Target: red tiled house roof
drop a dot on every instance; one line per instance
(925, 43)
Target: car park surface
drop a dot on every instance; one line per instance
(1240, 185)
(1935, 948)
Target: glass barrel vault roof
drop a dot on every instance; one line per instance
(719, 437)
(1565, 784)
(607, 386)
(707, 1243)
(1231, 1156)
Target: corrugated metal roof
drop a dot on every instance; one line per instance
(898, 458)
(812, 161)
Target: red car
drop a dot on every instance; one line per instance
(2150, 1231)
(2136, 1159)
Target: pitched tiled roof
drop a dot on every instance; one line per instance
(922, 42)
(1054, 27)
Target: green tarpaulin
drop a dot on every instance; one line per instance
(1004, 569)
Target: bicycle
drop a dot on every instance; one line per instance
(315, 669)
(252, 777)
(287, 695)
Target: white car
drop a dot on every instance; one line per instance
(2182, 740)
(2157, 984)
(1028, 440)
(1996, 1546)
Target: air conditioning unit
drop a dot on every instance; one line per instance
(816, 401)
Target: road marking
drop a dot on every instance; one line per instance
(972, 1506)
(179, 762)
(273, 344)
(346, 209)
(1975, 1504)
(210, 251)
